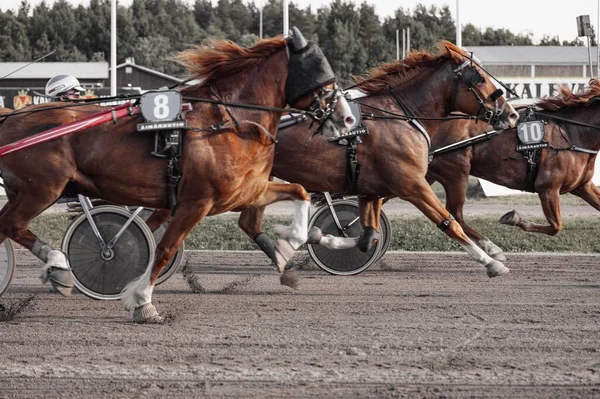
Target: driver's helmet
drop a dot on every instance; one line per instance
(64, 87)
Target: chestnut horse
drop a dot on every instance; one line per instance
(226, 158)
(394, 155)
(572, 129)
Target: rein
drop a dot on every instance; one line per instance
(571, 122)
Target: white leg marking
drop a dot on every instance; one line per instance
(332, 242)
(139, 291)
(489, 247)
(477, 254)
(297, 232)
(55, 259)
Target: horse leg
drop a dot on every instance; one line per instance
(137, 295)
(250, 222)
(292, 236)
(422, 196)
(369, 210)
(589, 193)
(550, 205)
(157, 218)
(455, 200)
(14, 221)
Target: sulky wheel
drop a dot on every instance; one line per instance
(102, 274)
(7, 264)
(386, 234)
(173, 265)
(350, 261)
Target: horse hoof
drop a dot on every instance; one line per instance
(511, 218)
(147, 314)
(495, 269)
(61, 279)
(314, 235)
(290, 278)
(284, 253)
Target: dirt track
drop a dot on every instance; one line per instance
(416, 325)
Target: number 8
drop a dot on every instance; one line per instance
(161, 106)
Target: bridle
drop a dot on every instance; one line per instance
(323, 106)
(325, 102)
(471, 77)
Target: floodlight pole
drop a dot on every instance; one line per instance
(260, 31)
(458, 29)
(589, 40)
(286, 19)
(113, 48)
(398, 44)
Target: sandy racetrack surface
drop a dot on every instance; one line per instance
(414, 325)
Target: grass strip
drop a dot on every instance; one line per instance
(409, 233)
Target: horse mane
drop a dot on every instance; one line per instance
(398, 72)
(222, 58)
(566, 97)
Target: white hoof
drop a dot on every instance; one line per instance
(57, 271)
(147, 314)
(495, 269)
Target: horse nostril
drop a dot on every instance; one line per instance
(350, 120)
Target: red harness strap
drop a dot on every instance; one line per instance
(91, 121)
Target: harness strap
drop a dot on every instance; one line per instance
(533, 160)
(579, 149)
(414, 122)
(260, 127)
(352, 168)
(570, 121)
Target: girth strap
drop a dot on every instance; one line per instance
(352, 168)
(533, 160)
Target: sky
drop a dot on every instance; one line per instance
(540, 17)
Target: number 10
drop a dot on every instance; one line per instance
(532, 132)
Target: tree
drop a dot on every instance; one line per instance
(549, 41)
(371, 36)
(13, 35)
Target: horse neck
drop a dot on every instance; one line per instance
(263, 85)
(580, 135)
(428, 94)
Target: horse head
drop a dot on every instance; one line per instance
(311, 85)
(474, 93)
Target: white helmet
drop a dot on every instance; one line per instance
(61, 84)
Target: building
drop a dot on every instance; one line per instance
(535, 71)
(129, 74)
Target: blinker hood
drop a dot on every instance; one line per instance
(308, 69)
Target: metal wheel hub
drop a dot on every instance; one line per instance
(107, 254)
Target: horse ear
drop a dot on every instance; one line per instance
(298, 41)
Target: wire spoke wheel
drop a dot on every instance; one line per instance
(342, 261)
(102, 274)
(7, 264)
